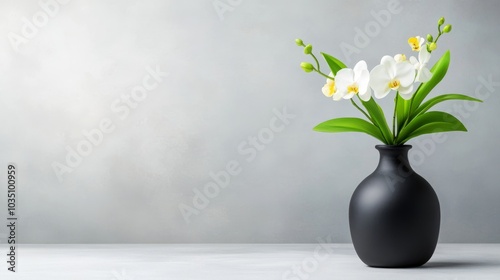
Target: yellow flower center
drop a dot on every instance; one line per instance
(394, 84)
(414, 43)
(331, 87)
(353, 89)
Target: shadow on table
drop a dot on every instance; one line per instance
(460, 264)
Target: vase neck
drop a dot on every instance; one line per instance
(394, 158)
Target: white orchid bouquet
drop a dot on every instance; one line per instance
(397, 74)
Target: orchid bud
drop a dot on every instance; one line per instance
(447, 28)
(307, 67)
(432, 46)
(429, 38)
(308, 49)
(299, 42)
(441, 21)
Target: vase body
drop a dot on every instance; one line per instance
(394, 213)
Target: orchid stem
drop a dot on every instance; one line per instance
(317, 62)
(409, 113)
(323, 74)
(361, 110)
(368, 117)
(394, 117)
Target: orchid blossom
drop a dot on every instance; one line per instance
(416, 43)
(423, 73)
(391, 75)
(354, 81)
(330, 89)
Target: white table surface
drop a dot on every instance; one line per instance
(240, 262)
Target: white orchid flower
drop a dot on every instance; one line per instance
(330, 90)
(423, 73)
(391, 75)
(400, 57)
(354, 81)
(416, 43)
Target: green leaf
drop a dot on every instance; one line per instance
(453, 96)
(402, 111)
(378, 118)
(334, 63)
(349, 125)
(430, 122)
(438, 72)
(435, 128)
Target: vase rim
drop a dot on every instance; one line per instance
(393, 147)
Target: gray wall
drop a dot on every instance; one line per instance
(229, 72)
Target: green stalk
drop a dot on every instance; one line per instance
(315, 59)
(387, 142)
(394, 116)
(407, 119)
(323, 74)
(409, 113)
(362, 111)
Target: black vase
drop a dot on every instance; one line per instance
(394, 213)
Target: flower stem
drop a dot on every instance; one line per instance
(394, 116)
(317, 62)
(323, 74)
(387, 141)
(437, 38)
(407, 118)
(361, 110)
(409, 113)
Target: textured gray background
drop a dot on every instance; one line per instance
(227, 73)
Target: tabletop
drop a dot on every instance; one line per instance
(239, 262)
